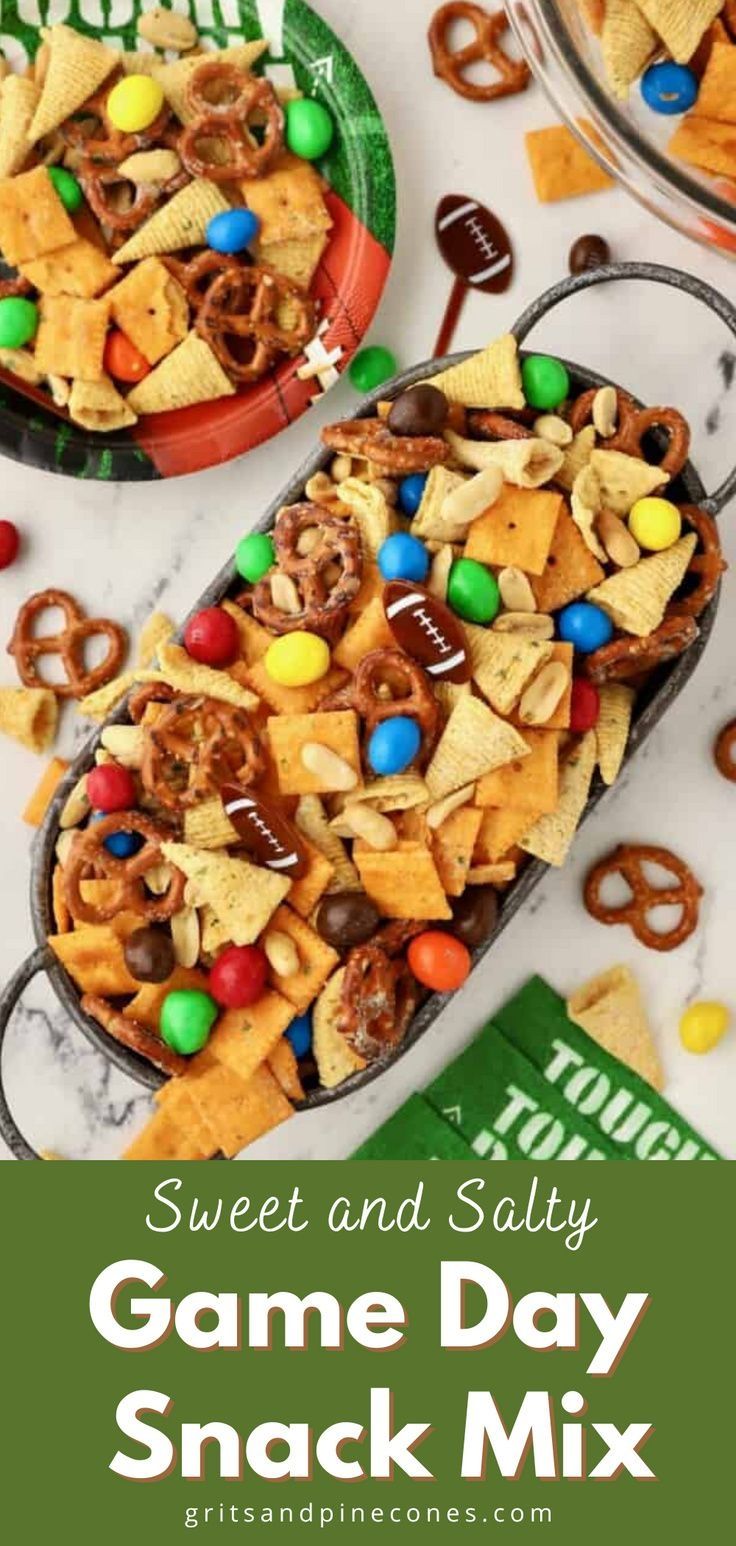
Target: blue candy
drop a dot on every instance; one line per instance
(232, 230)
(394, 745)
(584, 626)
(410, 492)
(299, 1033)
(669, 88)
(122, 845)
(402, 557)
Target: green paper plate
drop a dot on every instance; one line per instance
(350, 279)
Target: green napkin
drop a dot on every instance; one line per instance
(625, 1111)
(415, 1132)
(505, 1109)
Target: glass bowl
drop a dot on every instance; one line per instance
(627, 138)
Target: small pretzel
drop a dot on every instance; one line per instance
(414, 698)
(100, 184)
(633, 423)
(496, 426)
(196, 745)
(91, 131)
(27, 648)
(130, 1033)
(707, 564)
(628, 860)
(378, 999)
(196, 276)
(89, 857)
(240, 306)
(724, 751)
(628, 657)
(148, 692)
(451, 66)
(226, 122)
(394, 454)
(324, 599)
(15, 286)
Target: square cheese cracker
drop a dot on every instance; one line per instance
(71, 337)
(150, 307)
(79, 269)
(33, 220)
(517, 530)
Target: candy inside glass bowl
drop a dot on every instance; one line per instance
(627, 138)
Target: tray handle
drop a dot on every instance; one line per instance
(12, 993)
(657, 273)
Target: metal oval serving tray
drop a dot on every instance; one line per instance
(659, 693)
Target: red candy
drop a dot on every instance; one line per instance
(111, 788)
(9, 544)
(439, 961)
(212, 637)
(238, 976)
(585, 705)
(122, 360)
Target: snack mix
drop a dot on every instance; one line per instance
(683, 53)
(301, 822)
(161, 222)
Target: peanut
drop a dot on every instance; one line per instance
(440, 811)
(375, 828)
(439, 573)
(516, 592)
(472, 498)
(151, 166)
(185, 935)
(168, 29)
(538, 625)
(77, 805)
(284, 594)
(125, 743)
(341, 468)
(549, 426)
(307, 540)
(63, 846)
(321, 489)
(158, 878)
(542, 696)
(334, 772)
(621, 547)
(281, 953)
(605, 411)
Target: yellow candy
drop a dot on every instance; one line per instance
(703, 1025)
(655, 523)
(296, 659)
(134, 103)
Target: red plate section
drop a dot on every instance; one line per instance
(348, 286)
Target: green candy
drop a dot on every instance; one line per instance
(309, 128)
(18, 321)
(371, 367)
(187, 1017)
(472, 591)
(67, 187)
(254, 556)
(545, 380)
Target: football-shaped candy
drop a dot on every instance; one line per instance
(473, 243)
(268, 837)
(426, 629)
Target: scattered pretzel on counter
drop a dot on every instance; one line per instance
(451, 65)
(724, 751)
(27, 648)
(628, 861)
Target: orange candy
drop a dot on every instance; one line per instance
(439, 961)
(122, 360)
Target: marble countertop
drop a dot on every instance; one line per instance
(125, 549)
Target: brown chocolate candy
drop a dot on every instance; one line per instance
(588, 252)
(422, 410)
(474, 915)
(268, 836)
(346, 919)
(427, 630)
(149, 954)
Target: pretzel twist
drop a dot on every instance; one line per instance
(629, 657)
(628, 860)
(451, 65)
(395, 455)
(378, 999)
(89, 857)
(325, 599)
(414, 698)
(194, 746)
(226, 103)
(706, 565)
(242, 305)
(633, 423)
(724, 751)
(27, 648)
